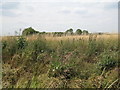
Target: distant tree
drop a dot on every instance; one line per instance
(100, 33)
(42, 32)
(78, 32)
(58, 33)
(85, 32)
(69, 31)
(29, 31)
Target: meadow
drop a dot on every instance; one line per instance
(73, 61)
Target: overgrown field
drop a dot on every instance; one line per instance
(88, 61)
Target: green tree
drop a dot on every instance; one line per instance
(85, 32)
(78, 31)
(42, 32)
(29, 31)
(69, 31)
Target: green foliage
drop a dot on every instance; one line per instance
(58, 33)
(85, 32)
(69, 31)
(21, 43)
(29, 31)
(78, 32)
(4, 44)
(35, 48)
(13, 46)
(108, 60)
(43, 33)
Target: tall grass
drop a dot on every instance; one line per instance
(86, 61)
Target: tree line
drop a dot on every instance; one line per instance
(31, 31)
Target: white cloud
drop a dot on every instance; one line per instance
(59, 16)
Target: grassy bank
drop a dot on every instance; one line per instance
(86, 61)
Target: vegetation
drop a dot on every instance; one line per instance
(29, 31)
(79, 31)
(85, 32)
(43, 61)
(69, 31)
(58, 33)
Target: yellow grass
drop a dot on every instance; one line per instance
(51, 38)
(70, 37)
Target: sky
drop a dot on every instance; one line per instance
(58, 15)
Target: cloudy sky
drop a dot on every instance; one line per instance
(54, 15)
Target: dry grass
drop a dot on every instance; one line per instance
(51, 38)
(70, 37)
(60, 62)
